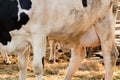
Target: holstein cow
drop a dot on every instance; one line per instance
(10, 18)
(68, 21)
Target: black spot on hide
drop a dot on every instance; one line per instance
(8, 19)
(25, 4)
(43, 62)
(8, 14)
(84, 3)
(23, 20)
(4, 37)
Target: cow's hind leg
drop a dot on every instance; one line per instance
(110, 55)
(105, 32)
(77, 56)
(23, 61)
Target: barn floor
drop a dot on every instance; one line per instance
(90, 70)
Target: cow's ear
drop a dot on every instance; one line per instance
(25, 4)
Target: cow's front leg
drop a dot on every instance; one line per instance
(39, 48)
(23, 61)
(78, 54)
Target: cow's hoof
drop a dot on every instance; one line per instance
(51, 61)
(60, 50)
(7, 62)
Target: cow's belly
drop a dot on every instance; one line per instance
(69, 33)
(85, 38)
(70, 28)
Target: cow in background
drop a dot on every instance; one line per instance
(54, 48)
(52, 45)
(68, 21)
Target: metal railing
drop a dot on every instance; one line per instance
(117, 27)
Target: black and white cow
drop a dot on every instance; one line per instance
(69, 21)
(12, 17)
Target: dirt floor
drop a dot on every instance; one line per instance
(90, 69)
